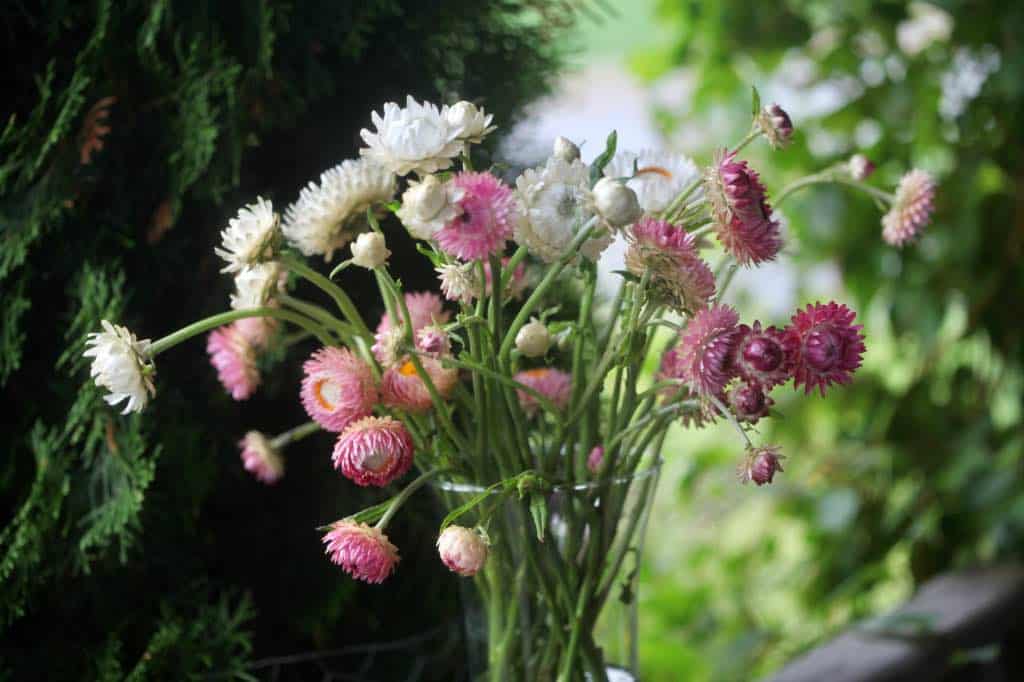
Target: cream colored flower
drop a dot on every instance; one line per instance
(256, 285)
(428, 205)
(533, 339)
(250, 237)
(120, 364)
(469, 122)
(415, 138)
(660, 176)
(370, 250)
(459, 282)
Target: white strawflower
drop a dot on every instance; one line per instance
(555, 201)
(459, 282)
(428, 205)
(250, 237)
(256, 285)
(326, 216)
(416, 138)
(533, 339)
(469, 122)
(370, 250)
(616, 203)
(660, 176)
(565, 149)
(121, 365)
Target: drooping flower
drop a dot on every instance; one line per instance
(250, 237)
(417, 138)
(565, 149)
(595, 459)
(533, 339)
(459, 282)
(669, 253)
(233, 355)
(488, 213)
(761, 357)
(338, 388)
(121, 364)
(860, 167)
(260, 458)
(326, 216)
(428, 205)
(825, 345)
(402, 387)
(703, 354)
(370, 250)
(761, 465)
(463, 550)
(553, 384)
(469, 122)
(749, 403)
(362, 551)
(616, 202)
(374, 451)
(659, 178)
(776, 125)
(257, 285)
(911, 211)
(743, 219)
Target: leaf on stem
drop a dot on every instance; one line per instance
(597, 168)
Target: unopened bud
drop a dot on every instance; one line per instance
(616, 202)
(533, 339)
(462, 550)
(776, 124)
(370, 251)
(860, 167)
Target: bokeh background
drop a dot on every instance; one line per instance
(138, 548)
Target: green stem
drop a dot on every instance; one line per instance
(400, 499)
(831, 176)
(753, 135)
(292, 435)
(208, 323)
(344, 303)
(317, 313)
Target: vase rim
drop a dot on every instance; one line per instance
(639, 475)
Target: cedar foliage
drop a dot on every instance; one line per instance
(135, 547)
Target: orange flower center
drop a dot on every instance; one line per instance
(655, 169)
(408, 369)
(326, 393)
(535, 373)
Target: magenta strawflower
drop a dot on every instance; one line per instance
(362, 551)
(744, 222)
(401, 386)
(761, 465)
(825, 345)
(749, 402)
(463, 550)
(338, 388)
(553, 384)
(373, 451)
(703, 355)
(260, 458)
(911, 210)
(488, 216)
(233, 355)
(595, 459)
(669, 254)
(760, 356)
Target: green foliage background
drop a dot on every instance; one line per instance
(136, 547)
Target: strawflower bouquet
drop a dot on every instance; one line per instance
(538, 430)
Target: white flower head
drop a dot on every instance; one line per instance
(256, 285)
(555, 201)
(324, 217)
(120, 364)
(469, 122)
(660, 176)
(250, 237)
(416, 138)
(370, 250)
(459, 282)
(428, 205)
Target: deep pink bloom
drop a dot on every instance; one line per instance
(553, 384)
(825, 345)
(374, 451)
(704, 352)
(912, 209)
(669, 253)
(595, 459)
(749, 403)
(338, 388)
(743, 218)
(761, 357)
(402, 387)
(260, 458)
(463, 550)
(233, 355)
(362, 551)
(488, 216)
(760, 465)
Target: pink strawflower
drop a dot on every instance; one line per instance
(374, 451)
(911, 210)
(462, 550)
(595, 459)
(743, 218)
(516, 284)
(670, 254)
(761, 357)
(487, 219)
(553, 384)
(425, 308)
(704, 352)
(825, 345)
(749, 402)
(233, 355)
(401, 386)
(260, 458)
(257, 330)
(362, 551)
(760, 465)
(433, 340)
(338, 388)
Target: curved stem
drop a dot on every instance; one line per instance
(338, 294)
(344, 330)
(400, 499)
(208, 323)
(292, 435)
(753, 135)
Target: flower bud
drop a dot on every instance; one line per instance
(749, 402)
(761, 465)
(616, 202)
(595, 459)
(433, 340)
(370, 251)
(533, 339)
(565, 149)
(776, 124)
(426, 198)
(860, 167)
(462, 550)
(461, 114)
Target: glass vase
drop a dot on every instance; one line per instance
(560, 603)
